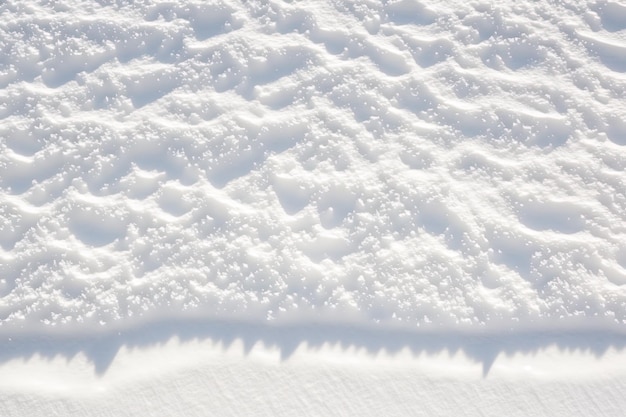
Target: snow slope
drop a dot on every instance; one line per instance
(405, 169)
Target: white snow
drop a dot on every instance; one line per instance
(201, 378)
(433, 182)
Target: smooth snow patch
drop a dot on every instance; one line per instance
(213, 377)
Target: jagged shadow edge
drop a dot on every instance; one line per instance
(101, 347)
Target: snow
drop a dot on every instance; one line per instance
(430, 191)
(202, 378)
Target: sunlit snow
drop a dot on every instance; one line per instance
(350, 170)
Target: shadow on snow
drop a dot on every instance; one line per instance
(101, 349)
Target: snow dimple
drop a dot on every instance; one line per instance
(404, 12)
(617, 131)
(562, 217)
(174, 202)
(435, 165)
(613, 15)
(292, 195)
(95, 227)
(335, 204)
(22, 141)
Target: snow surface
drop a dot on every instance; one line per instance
(409, 171)
(206, 378)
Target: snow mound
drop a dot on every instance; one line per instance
(450, 165)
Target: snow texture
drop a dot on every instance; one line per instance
(440, 166)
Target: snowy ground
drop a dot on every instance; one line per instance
(404, 205)
(235, 377)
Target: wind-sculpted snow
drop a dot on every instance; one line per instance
(426, 165)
